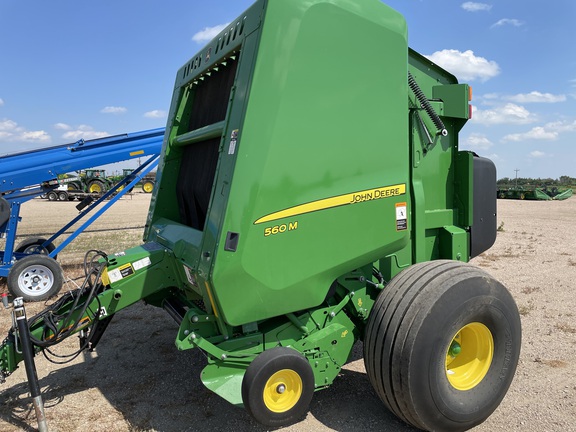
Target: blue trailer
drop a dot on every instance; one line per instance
(30, 267)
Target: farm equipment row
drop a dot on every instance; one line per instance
(30, 267)
(543, 193)
(311, 194)
(93, 183)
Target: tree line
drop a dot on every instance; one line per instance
(522, 181)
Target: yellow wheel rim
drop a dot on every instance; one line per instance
(469, 356)
(95, 188)
(282, 391)
(148, 187)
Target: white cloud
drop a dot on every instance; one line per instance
(208, 33)
(1, 101)
(536, 97)
(478, 141)
(156, 114)
(465, 65)
(508, 21)
(475, 7)
(537, 133)
(35, 136)
(83, 132)
(537, 154)
(7, 125)
(506, 114)
(113, 110)
(548, 132)
(10, 131)
(562, 126)
(62, 126)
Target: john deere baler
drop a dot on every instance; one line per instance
(311, 194)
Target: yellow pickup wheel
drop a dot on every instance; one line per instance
(442, 344)
(278, 387)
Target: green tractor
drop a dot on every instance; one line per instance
(95, 181)
(310, 195)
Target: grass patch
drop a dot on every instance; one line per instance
(530, 290)
(525, 310)
(551, 363)
(566, 328)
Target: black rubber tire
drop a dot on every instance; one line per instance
(75, 186)
(32, 246)
(62, 196)
(97, 186)
(264, 366)
(52, 196)
(410, 330)
(35, 277)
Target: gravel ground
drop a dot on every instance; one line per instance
(138, 381)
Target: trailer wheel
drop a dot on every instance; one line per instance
(148, 186)
(34, 246)
(62, 196)
(96, 186)
(35, 277)
(278, 387)
(442, 345)
(52, 196)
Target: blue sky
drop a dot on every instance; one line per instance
(77, 69)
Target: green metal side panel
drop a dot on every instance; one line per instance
(324, 138)
(441, 179)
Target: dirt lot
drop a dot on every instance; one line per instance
(138, 381)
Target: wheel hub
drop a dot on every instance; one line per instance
(469, 356)
(282, 391)
(37, 279)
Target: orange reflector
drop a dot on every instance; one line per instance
(469, 93)
(469, 111)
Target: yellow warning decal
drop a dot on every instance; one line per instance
(137, 152)
(337, 201)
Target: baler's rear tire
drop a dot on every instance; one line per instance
(442, 344)
(35, 277)
(278, 386)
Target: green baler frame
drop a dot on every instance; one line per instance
(299, 174)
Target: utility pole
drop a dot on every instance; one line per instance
(516, 178)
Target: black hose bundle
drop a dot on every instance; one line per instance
(59, 325)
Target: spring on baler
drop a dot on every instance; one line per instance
(426, 105)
